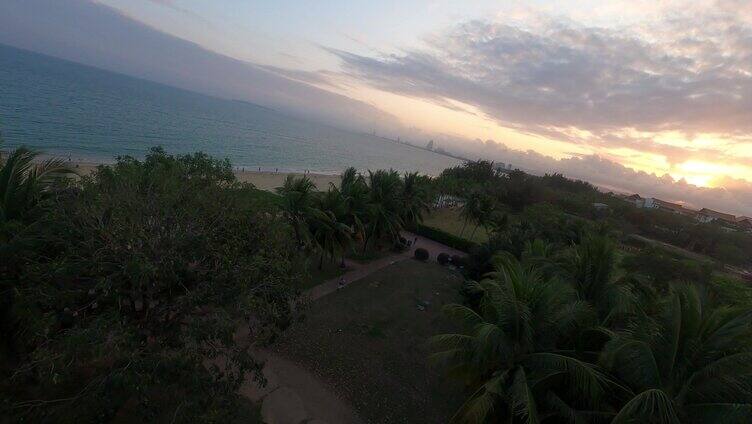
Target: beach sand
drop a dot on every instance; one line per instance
(270, 180)
(262, 180)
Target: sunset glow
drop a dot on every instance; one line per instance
(649, 96)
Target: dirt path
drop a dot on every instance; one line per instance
(293, 395)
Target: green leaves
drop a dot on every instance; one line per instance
(650, 406)
(22, 182)
(683, 360)
(130, 283)
(514, 332)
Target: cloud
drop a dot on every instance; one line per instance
(689, 73)
(97, 35)
(679, 76)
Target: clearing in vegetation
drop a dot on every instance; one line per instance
(369, 342)
(450, 221)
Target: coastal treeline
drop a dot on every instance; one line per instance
(139, 292)
(518, 190)
(562, 323)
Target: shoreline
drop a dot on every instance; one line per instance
(263, 180)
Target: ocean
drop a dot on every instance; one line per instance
(67, 109)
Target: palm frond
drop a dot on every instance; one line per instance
(652, 405)
(719, 413)
(585, 377)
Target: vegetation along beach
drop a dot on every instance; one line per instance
(165, 288)
(360, 212)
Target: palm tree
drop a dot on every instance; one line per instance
(415, 198)
(354, 191)
(331, 236)
(23, 183)
(327, 222)
(470, 209)
(384, 206)
(591, 268)
(688, 364)
(508, 353)
(297, 195)
(483, 212)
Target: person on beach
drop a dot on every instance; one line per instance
(341, 283)
(415, 242)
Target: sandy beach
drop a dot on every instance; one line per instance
(263, 180)
(271, 180)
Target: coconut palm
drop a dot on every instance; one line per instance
(415, 198)
(23, 183)
(591, 268)
(688, 364)
(507, 355)
(354, 191)
(331, 236)
(384, 206)
(483, 212)
(470, 209)
(297, 196)
(328, 225)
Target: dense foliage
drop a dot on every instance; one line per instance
(370, 209)
(24, 183)
(137, 293)
(560, 325)
(514, 191)
(123, 298)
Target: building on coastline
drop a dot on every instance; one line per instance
(600, 206)
(654, 203)
(448, 201)
(709, 215)
(502, 167)
(634, 198)
(704, 215)
(744, 222)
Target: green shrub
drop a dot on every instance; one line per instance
(127, 289)
(445, 238)
(421, 254)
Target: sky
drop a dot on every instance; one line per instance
(639, 96)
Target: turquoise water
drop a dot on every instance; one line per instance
(64, 108)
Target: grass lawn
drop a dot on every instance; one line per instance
(368, 341)
(449, 220)
(253, 197)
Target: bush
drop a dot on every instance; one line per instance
(446, 238)
(147, 269)
(421, 254)
(443, 258)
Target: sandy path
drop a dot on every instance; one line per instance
(358, 270)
